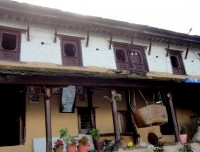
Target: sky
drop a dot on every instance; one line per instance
(175, 15)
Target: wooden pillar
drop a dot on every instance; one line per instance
(173, 117)
(47, 105)
(115, 97)
(89, 96)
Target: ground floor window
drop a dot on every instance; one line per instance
(85, 118)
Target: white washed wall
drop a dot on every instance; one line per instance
(97, 53)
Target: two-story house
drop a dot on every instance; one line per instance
(64, 70)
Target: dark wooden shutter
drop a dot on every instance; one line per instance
(138, 59)
(9, 45)
(121, 57)
(71, 53)
(176, 62)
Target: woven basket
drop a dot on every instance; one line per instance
(150, 115)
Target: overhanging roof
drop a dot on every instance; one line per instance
(52, 74)
(30, 13)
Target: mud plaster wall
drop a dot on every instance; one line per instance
(35, 119)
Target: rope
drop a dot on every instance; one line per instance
(147, 107)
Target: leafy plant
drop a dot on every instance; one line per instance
(83, 141)
(95, 133)
(58, 143)
(183, 130)
(198, 122)
(69, 140)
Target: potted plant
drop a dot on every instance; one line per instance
(98, 143)
(58, 145)
(83, 144)
(70, 141)
(183, 135)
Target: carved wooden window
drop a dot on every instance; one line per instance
(85, 119)
(121, 57)
(176, 62)
(127, 58)
(71, 52)
(137, 59)
(9, 45)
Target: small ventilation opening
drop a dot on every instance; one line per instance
(9, 41)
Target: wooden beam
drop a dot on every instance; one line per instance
(187, 50)
(55, 33)
(168, 47)
(13, 29)
(84, 81)
(88, 38)
(149, 53)
(131, 46)
(28, 33)
(110, 42)
(89, 97)
(69, 37)
(173, 117)
(47, 105)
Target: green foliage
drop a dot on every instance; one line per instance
(198, 122)
(183, 130)
(95, 134)
(69, 140)
(84, 141)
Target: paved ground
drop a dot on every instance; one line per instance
(172, 148)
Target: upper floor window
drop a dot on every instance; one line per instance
(9, 45)
(130, 58)
(71, 52)
(176, 62)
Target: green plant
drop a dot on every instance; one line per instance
(183, 130)
(69, 140)
(83, 141)
(198, 122)
(95, 133)
(58, 143)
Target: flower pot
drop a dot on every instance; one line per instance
(58, 149)
(183, 138)
(71, 148)
(99, 145)
(82, 148)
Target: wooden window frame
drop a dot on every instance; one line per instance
(178, 55)
(74, 40)
(10, 55)
(130, 48)
(92, 115)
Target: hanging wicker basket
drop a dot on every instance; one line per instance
(150, 115)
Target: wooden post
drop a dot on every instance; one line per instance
(173, 117)
(47, 105)
(115, 97)
(89, 95)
